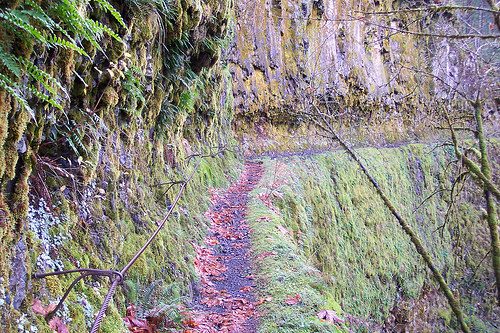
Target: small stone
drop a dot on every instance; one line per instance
(21, 146)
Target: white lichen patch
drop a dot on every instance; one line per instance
(88, 310)
(48, 228)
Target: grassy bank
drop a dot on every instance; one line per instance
(345, 248)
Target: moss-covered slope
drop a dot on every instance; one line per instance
(365, 262)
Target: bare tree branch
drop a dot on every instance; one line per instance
(433, 8)
(452, 301)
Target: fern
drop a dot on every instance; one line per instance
(43, 77)
(69, 14)
(32, 89)
(133, 85)
(73, 140)
(13, 89)
(99, 28)
(39, 14)
(158, 301)
(40, 26)
(14, 18)
(106, 5)
(166, 115)
(57, 41)
(10, 62)
(18, 19)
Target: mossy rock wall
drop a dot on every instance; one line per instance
(368, 264)
(86, 187)
(292, 56)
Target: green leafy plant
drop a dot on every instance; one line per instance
(32, 23)
(134, 85)
(157, 304)
(165, 117)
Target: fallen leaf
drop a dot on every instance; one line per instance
(57, 325)
(330, 316)
(265, 254)
(262, 300)
(219, 279)
(283, 230)
(292, 300)
(37, 307)
(211, 241)
(49, 308)
(131, 311)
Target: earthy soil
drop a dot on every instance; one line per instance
(226, 301)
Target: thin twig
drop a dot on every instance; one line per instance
(434, 8)
(477, 267)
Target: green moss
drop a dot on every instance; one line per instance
(109, 97)
(367, 262)
(115, 51)
(54, 286)
(17, 126)
(446, 315)
(4, 111)
(113, 322)
(66, 62)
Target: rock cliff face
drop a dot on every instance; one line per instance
(85, 168)
(289, 53)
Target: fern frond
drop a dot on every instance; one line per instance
(13, 89)
(74, 140)
(47, 80)
(10, 62)
(82, 27)
(106, 5)
(69, 17)
(149, 292)
(39, 14)
(34, 90)
(98, 26)
(54, 40)
(13, 17)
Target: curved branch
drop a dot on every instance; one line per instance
(452, 301)
(434, 8)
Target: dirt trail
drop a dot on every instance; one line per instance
(226, 302)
